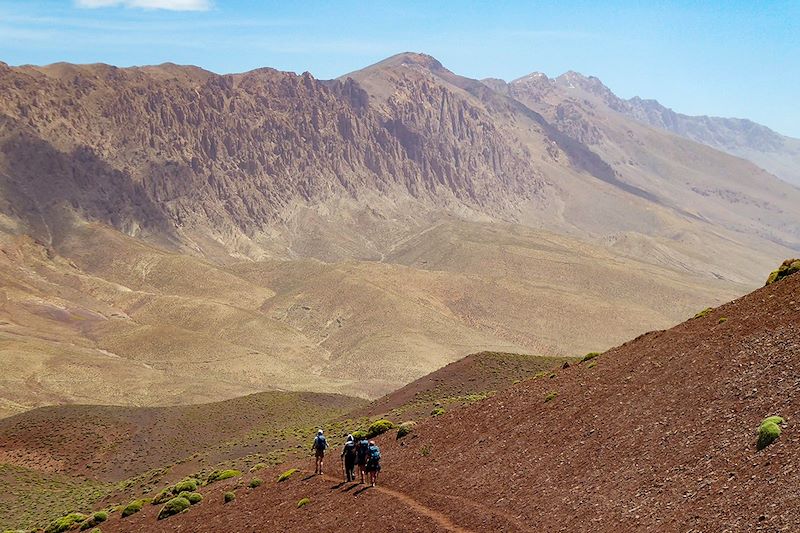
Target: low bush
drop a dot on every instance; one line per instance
(592, 364)
(768, 433)
(219, 475)
(173, 507)
(187, 485)
(64, 523)
(255, 482)
(438, 411)
(194, 497)
(258, 466)
(379, 427)
(405, 428)
(774, 419)
(589, 356)
(722, 320)
(286, 475)
(704, 312)
(359, 434)
(550, 396)
(162, 497)
(788, 267)
(229, 496)
(97, 518)
(303, 502)
(132, 508)
(425, 451)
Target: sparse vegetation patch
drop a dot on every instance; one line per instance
(255, 482)
(589, 356)
(96, 518)
(286, 475)
(550, 396)
(64, 523)
(405, 428)
(303, 502)
(219, 475)
(173, 507)
(788, 267)
(132, 508)
(229, 496)
(704, 312)
(438, 411)
(379, 427)
(769, 431)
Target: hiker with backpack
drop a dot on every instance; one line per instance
(319, 447)
(373, 462)
(349, 458)
(362, 451)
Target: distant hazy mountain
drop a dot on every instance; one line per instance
(743, 138)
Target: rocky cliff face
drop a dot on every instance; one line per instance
(154, 150)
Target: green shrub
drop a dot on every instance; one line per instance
(405, 428)
(173, 507)
(187, 485)
(774, 419)
(592, 364)
(219, 475)
(258, 466)
(162, 497)
(303, 502)
(286, 475)
(722, 320)
(768, 433)
(552, 375)
(229, 496)
(425, 451)
(438, 411)
(788, 267)
(704, 312)
(134, 507)
(255, 482)
(96, 518)
(550, 396)
(589, 356)
(359, 434)
(64, 523)
(194, 497)
(379, 427)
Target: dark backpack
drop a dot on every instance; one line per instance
(320, 443)
(350, 449)
(363, 446)
(374, 453)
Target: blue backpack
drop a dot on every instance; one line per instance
(374, 453)
(320, 443)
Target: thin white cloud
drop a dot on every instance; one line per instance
(171, 5)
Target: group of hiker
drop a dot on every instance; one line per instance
(361, 453)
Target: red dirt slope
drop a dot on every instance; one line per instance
(658, 436)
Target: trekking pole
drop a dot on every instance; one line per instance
(344, 471)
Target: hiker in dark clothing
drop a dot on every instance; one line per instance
(349, 458)
(373, 462)
(362, 451)
(319, 447)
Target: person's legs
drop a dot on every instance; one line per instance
(321, 457)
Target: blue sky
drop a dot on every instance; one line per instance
(729, 58)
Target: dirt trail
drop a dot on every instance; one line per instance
(441, 519)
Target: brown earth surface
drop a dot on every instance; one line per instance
(657, 434)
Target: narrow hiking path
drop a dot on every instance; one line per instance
(441, 519)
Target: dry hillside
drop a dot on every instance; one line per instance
(657, 434)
